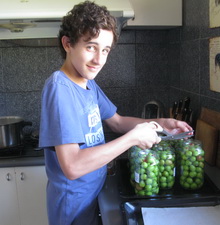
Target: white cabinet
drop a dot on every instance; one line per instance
(23, 196)
(9, 213)
(156, 13)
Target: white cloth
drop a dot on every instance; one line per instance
(208, 215)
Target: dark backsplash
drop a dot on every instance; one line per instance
(163, 65)
(189, 58)
(135, 73)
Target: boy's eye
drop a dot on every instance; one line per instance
(106, 50)
(91, 48)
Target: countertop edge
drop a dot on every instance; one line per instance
(23, 161)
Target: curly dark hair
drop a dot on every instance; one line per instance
(86, 18)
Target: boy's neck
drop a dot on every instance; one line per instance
(76, 79)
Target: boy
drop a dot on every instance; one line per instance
(73, 108)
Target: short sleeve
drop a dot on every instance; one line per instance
(59, 116)
(107, 108)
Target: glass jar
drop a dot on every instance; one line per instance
(192, 165)
(146, 173)
(177, 146)
(132, 156)
(167, 168)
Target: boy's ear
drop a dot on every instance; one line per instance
(66, 43)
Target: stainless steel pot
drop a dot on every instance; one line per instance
(11, 131)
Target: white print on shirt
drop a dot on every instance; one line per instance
(94, 117)
(94, 138)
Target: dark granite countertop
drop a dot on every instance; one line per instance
(110, 202)
(30, 156)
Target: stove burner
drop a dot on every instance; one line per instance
(14, 151)
(29, 148)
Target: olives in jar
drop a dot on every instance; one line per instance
(192, 165)
(166, 164)
(177, 146)
(146, 173)
(132, 157)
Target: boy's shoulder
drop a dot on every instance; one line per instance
(58, 77)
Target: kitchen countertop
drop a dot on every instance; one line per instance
(22, 161)
(110, 201)
(28, 157)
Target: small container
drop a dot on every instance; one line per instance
(192, 165)
(167, 168)
(145, 172)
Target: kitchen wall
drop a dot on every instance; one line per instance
(163, 65)
(189, 58)
(135, 73)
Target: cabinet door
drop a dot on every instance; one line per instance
(9, 213)
(156, 13)
(31, 187)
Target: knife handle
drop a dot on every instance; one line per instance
(180, 106)
(174, 109)
(184, 113)
(186, 102)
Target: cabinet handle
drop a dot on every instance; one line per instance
(8, 176)
(22, 176)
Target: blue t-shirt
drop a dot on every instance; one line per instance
(71, 114)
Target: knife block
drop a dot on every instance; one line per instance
(179, 116)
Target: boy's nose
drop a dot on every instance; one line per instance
(99, 58)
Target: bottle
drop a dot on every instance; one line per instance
(191, 165)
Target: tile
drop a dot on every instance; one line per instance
(189, 66)
(191, 20)
(211, 103)
(124, 99)
(173, 35)
(119, 71)
(175, 94)
(54, 59)
(2, 104)
(127, 37)
(151, 65)
(151, 37)
(2, 86)
(26, 105)
(25, 68)
(174, 65)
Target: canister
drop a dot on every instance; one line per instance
(191, 165)
(144, 176)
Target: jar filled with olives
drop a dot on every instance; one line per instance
(191, 165)
(132, 157)
(146, 173)
(177, 146)
(167, 167)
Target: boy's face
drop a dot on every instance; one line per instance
(88, 57)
